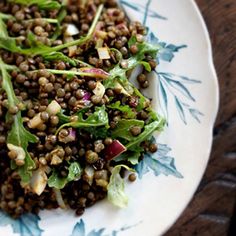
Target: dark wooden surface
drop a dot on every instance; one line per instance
(211, 210)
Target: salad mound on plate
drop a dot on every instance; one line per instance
(71, 122)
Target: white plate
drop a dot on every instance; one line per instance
(191, 103)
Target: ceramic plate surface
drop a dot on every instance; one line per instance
(185, 90)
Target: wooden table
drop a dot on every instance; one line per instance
(210, 211)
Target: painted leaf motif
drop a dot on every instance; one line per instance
(164, 97)
(188, 80)
(180, 110)
(142, 9)
(163, 165)
(26, 225)
(166, 52)
(182, 79)
(141, 169)
(163, 150)
(159, 163)
(97, 232)
(170, 84)
(177, 85)
(79, 229)
(195, 114)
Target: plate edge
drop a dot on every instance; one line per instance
(217, 99)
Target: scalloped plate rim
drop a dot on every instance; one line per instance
(215, 106)
(217, 103)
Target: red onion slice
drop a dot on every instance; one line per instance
(98, 73)
(114, 150)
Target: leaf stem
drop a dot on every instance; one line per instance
(81, 41)
(49, 20)
(70, 72)
(6, 16)
(146, 12)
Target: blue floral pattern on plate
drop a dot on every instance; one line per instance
(160, 163)
(79, 230)
(26, 225)
(170, 86)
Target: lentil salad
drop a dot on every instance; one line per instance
(71, 122)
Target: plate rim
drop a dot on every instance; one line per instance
(215, 102)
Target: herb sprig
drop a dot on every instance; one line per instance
(37, 48)
(18, 136)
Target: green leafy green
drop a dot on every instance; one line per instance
(3, 29)
(4, 16)
(134, 144)
(62, 14)
(132, 157)
(98, 118)
(132, 41)
(118, 74)
(7, 85)
(144, 48)
(63, 118)
(127, 110)
(42, 4)
(122, 129)
(75, 172)
(115, 190)
(18, 135)
(98, 132)
(9, 43)
(71, 73)
(37, 48)
(59, 56)
(142, 100)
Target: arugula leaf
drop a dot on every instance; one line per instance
(93, 73)
(3, 29)
(59, 56)
(7, 85)
(127, 110)
(38, 48)
(63, 118)
(115, 189)
(98, 132)
(144, 48)
(132, 41)
(142, 100)
(118, 74)
(4, 16)
(42, 4)
(18, 135)
(21, 137)
(75, 172)
(122, 129)
(62, 14)
(134, 144)
(132, 157)
(97, 119)
(9, 43)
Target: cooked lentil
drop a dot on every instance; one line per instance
(36, 88)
